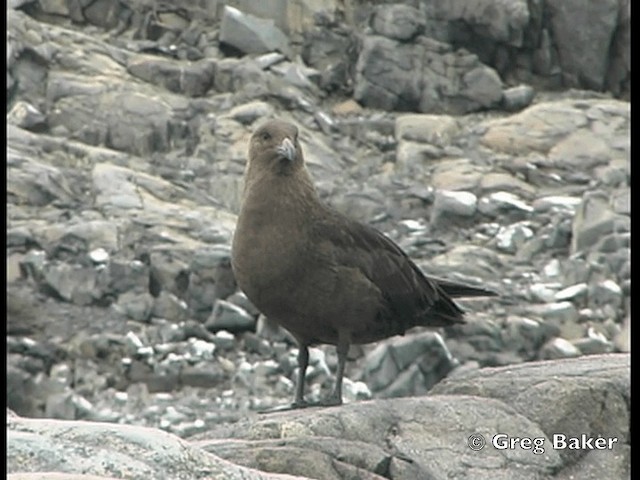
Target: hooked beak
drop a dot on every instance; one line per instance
(287, 149)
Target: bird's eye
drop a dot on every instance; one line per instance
(265, 136)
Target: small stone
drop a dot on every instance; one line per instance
(61, 374)
(201, 349)
(26, 116)
(552, 269)
(510, 238)
(595, 343)
(266, 368)
(517, 98)
(606, 292)
(347, 107)
(224, 340)
(556, 203)
(437, 130)
(558, 348)
(268, 59)
(250, 112)
(227, 316)
(573, 292)
(355, 391)
(497, 202)
(99, 255)
(168, 306)
(133, 342)
(137, 306)
(542, 292)
(448, 203)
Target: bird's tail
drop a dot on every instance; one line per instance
(456, 290)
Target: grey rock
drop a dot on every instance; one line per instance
(574, 292)
(99, 255)
(269, 329)
(201, 375)
(468, 261)
(605, 292)
(22, 391)
(501, 21)
(192, 79)
(523, 132)
(558, 348)
(594, 344)
(227, 316)
(407, 366)
(382, 81)
(544, 292)
(449, 204)
(25, 115)
(333, 53)
(137, 306)
(167, 305)
(525, 390)
(75, 449)
(298, 75)
(504, 182)
(517, 98)
(561, 314)
(584, 54)
(145, 128)
(598, 383)
(510, 238)
(251, 34)
(525, 336)
(499, 202)
(594, 219)
(35, 183)
(437, 130)
(556, 203)
(74, 283)
(250, 112)
(224, 340)
(398, 22)
(128, 276)
(67, 406)
(168, 273)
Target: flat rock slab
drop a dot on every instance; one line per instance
(47, 449)
(431, 436)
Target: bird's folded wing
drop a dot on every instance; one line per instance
(409, 293)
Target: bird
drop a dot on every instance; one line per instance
(322, 276)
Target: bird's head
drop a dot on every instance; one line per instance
(274, 146)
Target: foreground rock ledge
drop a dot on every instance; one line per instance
(422, 437)
(426, 437)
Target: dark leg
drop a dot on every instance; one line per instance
(303, 363)
(342, 349)
(299, 401)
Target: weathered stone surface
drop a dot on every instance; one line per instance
(191, 79)
(598, 384)
(398, 22)
(583, 53)
(382, 80)
(503, 21)
(251, 34)
(87, 450)
(358, 436)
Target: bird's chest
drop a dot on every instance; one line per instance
(270, 257)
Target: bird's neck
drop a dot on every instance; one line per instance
(280, 194)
